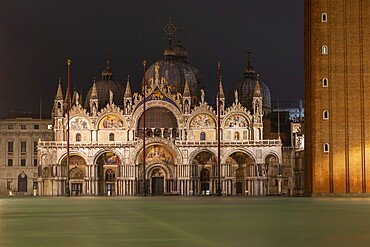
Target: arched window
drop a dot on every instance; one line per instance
(202, 136)
(324, 50)
(22, 182)
(325, 114)
(111, 137)
(325, 82)
(78, 137)
(326, 147)
(324, 17)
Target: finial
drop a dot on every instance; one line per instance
(128, 78)
(169, 29)
(108, 53)
(69, 61)
(94, 79)
(218, 64)
(179, 30)
(60, 79)
(248, 53)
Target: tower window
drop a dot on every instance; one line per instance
(78, 137)
(325, 114)
(324, 50)
(325, 82)
(324, 17)
(111, 137)
(326, 147)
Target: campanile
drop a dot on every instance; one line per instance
(337, 96)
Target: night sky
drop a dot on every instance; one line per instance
(37, 38)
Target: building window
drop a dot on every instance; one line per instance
(78, 137)
(326, 147)
(10, 126)
(111, 137)
(202, 136)
(35, 147)
(9, 184)
(36, 127)
(10, 147)
(23, 162)
(34, 162)
(23, 147)
(325, 82)
(325, 114)
(10, 162)
(23, 126)
(324, 17)
(324, 50)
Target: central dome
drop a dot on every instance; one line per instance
(176, 69)
(176, 72)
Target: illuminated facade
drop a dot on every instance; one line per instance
(106, 138)
(337, 89)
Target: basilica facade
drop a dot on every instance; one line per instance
(106, 136)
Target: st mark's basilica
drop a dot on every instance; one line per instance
(181, 147)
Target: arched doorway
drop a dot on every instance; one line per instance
(205, 179)
(76, 172)
(107, 167)
(239, 163)
(159, 169)
(204, 164)
(22, 182)
(157, 184)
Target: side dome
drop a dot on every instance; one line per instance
(246, 87)
(103, 88)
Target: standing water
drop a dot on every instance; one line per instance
(183, 221)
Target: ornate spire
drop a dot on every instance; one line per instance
(107, 73)
(186, 90)
(94, 91)
(128, 88)
(222, 95)
(59, 95)
(257, 89)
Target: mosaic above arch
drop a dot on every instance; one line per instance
(108, 158)
(111, 122)
(157, 154)
(78, 123)
(202, 120)
(236, 121)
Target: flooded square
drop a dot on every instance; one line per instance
(183, 221)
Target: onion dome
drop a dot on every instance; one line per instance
(246, 87)
(103, 88)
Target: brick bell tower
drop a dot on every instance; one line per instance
(337, 96)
